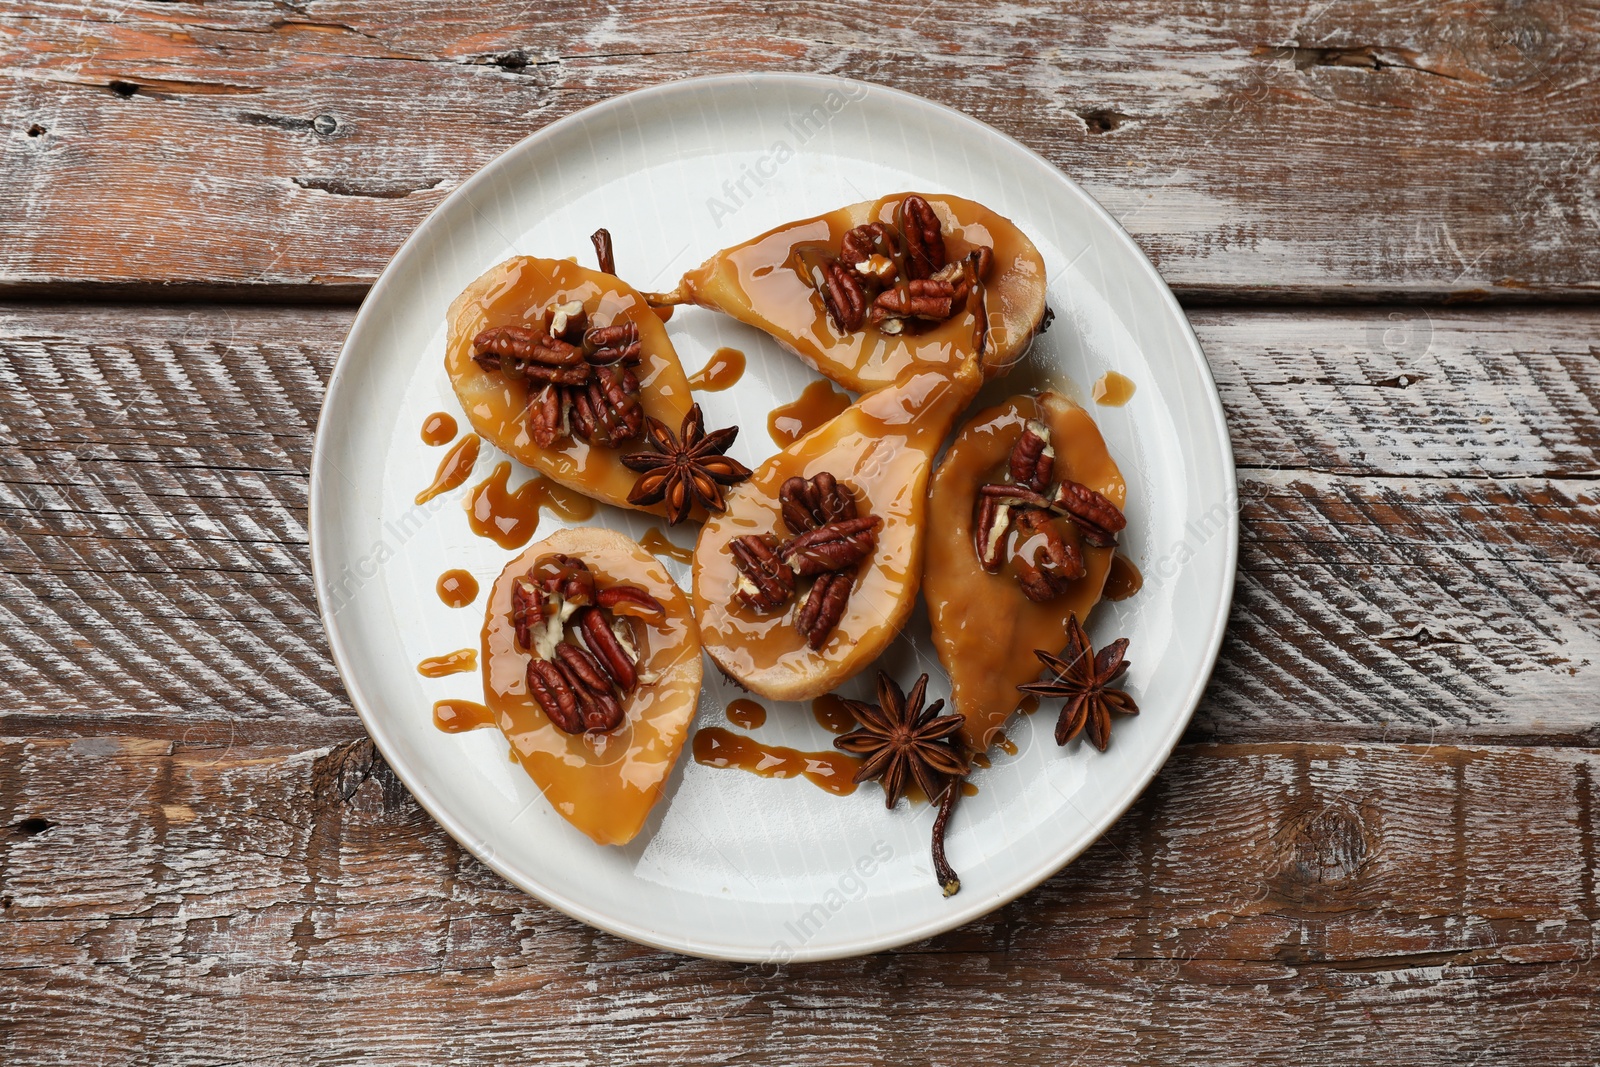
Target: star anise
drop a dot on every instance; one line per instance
(1084, 679)
(684, 470)
(900, 740)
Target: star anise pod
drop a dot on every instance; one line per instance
(1083, 679)
(900, 740)
(684, 470)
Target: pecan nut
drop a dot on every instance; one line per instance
(868, 246)
(765, 584)
(809, 503)
(1033, 460)
(831, 547)
(567, 322)
(1046, 563)
(514, 349)
(547, 415)
(550, 690)
(989, 530)
(824, 606)
(1098, 518)
(844, 296)
(608, 412)
(607, 649)
(598, 710)
(632, 601)
(924, 237)
(617, 343)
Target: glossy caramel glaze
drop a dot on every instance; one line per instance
(984, 628)
(832, 771)
(517, 292)
(459, 716)
(457, 588)
(438, 428)
(1113, 390)
(755, 283)
(657, 543)
(723, 371)
(509, 518)
(746, 714)
(881, 448)
(603, 784)
(816, 404)
(832, 715)
(1124, 579)
(460, 661)
(454, 468)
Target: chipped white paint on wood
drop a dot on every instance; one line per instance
(1305, 149)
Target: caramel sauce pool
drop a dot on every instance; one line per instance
(832, 771)
(818, 403)
(457, 588)
(1124, 579)
(508, 518)
(657, 544)
(458, 662)
(459, 716)
(723, 372)
(832, 715)
(453, 469)
(1113, 390)
(438, 429)
(1006, 745)
(746, 714)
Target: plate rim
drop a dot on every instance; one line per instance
(966, 912)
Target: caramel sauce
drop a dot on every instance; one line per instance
(746, 714)
(984, 628)
(969, 789)
(1113, 390)
(831, 714)
(438, 429)
(664, 313)
(817, 403)
(761, 284)
(510, 518)
(453, 469)
(458, 662)
(981, 759)
(833, 771)
(459, 716)
(1124, 579)
(1005, 744)
(603, 784)
(518, 292)
(457, 588)
(657, 543)
(723, 372)
(881, 447)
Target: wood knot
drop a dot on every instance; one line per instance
(1326, 847)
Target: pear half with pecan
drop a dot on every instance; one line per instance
(562, 367)
(813, 568)
(591, 668)
(1030, 506)
(877, 290)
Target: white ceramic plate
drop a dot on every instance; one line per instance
(732, 865)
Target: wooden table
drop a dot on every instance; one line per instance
(1378, 841)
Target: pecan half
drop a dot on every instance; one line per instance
(1097, 517)
(831, 547)
(844, 295)
(989, 532)
(924, 237)
(810, 503)
(567, 322)
(931, 299)
(825, 606)
(607, 649)
(861, 244)
(550, 689)
(632, 601)
(1033, 460)
(597, 707)
(608, 412)
(1046, 563)
(513, 348)
(617, 343)
(765, 584)
(527, 610)
(547, 415)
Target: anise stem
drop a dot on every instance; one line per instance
(949, 881)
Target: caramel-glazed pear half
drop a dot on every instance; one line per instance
(517, 293)
(756, 284)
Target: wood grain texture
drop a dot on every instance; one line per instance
(1264, 904)
(1408, 571)
(1304, 150)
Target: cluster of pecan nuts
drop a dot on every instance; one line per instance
(830, 540)
(1045, 562)
(897, 278)
(581, 683)
(581, 376)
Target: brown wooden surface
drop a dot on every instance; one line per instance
(1377, 843)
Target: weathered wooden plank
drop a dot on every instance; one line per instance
(1306, 149)
(1408, 572)
(1270, 904)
